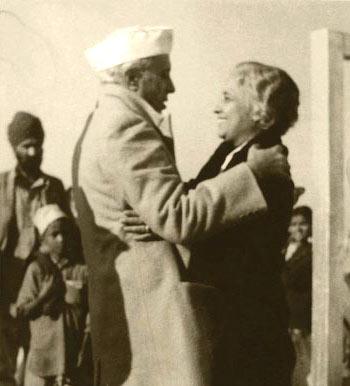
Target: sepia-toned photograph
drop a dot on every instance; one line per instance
(174, 193)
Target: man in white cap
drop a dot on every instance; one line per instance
(150, 325)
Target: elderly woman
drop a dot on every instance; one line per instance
(259, 104)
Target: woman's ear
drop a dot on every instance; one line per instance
(263, 119)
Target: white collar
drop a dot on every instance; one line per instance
(231, 154)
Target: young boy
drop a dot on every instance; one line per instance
(52, 297)
(297, 277)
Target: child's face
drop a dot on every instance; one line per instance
(299, 228)
(234, 114)
(55, 239)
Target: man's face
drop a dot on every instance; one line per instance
(29, 154)
(299, 228)
(155, 83)
(234, 114)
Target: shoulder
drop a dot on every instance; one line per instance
(52, 180)
(115, 112)
(306, 249)
(34, 269)
(54, 183)
(42, 263)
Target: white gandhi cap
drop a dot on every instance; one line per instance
(46, 215)
(128, 44)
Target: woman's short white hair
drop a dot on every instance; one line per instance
(274, 94)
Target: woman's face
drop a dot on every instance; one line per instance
(234, 114)
(299, 228)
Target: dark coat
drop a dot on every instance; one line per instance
(245, 262)
(297, 277)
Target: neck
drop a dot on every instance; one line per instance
(31, 175)
(240, 141)
(57, 259)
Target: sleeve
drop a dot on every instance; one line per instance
(28, 302)
(134, 155)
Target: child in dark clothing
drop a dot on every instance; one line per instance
(52, 297)
(297, 277)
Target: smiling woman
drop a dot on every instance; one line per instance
(257, 98)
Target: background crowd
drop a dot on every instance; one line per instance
(43, 309)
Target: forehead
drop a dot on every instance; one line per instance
(56, 226)
(298, 217)
(160, 63)
(31, 141)
(233, 87)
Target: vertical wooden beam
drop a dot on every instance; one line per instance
(327, 56)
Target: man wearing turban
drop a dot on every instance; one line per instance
(150, 325)
(22, 191)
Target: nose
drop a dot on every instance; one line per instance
(32, 151)
(171, 87)
(217, 109)
(59, 238)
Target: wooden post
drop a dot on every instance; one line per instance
(328, 51)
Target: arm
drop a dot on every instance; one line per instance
(29, 303)
(134, 154)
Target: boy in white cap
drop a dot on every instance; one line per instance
(52, 297)
(149, 326)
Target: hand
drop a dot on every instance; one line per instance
(13, 310)
(135, 228)
(269, 162)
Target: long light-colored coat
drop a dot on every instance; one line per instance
(150, 325)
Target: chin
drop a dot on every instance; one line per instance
(31, 167)
(221, 134)
(162, 107)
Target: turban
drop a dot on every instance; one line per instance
(46, 215)
(23, 126)
(129, 44)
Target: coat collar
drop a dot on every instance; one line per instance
(21, 179)
(239, 154)
(133, 101)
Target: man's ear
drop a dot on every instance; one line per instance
(133, 78)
